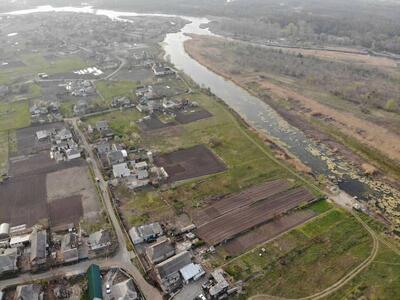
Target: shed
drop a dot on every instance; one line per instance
(191, 271)
(94, 283)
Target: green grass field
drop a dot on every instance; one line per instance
(14, 115)
(305, 260)
(111, 89)
(36, 63)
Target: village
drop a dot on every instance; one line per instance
(121, 178)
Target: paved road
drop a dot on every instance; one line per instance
(122, 257)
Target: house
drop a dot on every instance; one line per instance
(38, 255)
(101, 125)
(8, 261)
(42, 135)
(141, 165)
(145, 233)
(167, 272)
(29, 292)
(121, 170)
(64, 135)
(103, 147)
(72, 154)
(69, 248)
(142, 174)
(219, 285)
(160, 251)
(124, 290)
(115, 157)
(121, 102)
(95, 291)
(161, 70)
(99, 240)
(191, 272)
(19, 240)
(150, 231)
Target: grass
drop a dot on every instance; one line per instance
(3, 152)
(305, 260)
(14, 115)
(111, 89)
(379, 281)
(36, 63)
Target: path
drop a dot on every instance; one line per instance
(122, 257)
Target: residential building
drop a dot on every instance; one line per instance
(101, 125)
(8, 261)
(103, 147)
(115, 157)
(69, 248)
(167, 272)
(121, 170)
(191, 272)
(145, 233)
(29, 292)
(38, 255)
(160, 251)
(72, 154)
(99, 240)
(124, 290)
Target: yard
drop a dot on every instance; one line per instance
(305, 260)
(110, 89)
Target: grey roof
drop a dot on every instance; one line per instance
(121, 170)
(8, 260)
(103, 147)
(153, 229)
(38, 244)
(174, 264)
(100, 237)
(221, 283)
(28, 292)
(101, 125)
(160, 251)
(124, 291)
(115, 156)
(142, 174)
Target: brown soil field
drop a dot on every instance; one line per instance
(154, 123)
(66, 210)
(190, 163)
(74, 181)
(231, 224)
(238, 200)
(23, 200)
(267, 232)
(364, 131)
(185, 118)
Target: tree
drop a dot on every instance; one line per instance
(391, 105)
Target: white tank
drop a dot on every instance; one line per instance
(4, 231)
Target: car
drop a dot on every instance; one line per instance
(201, 297)
(108, 289)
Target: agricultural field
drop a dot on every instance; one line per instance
(305, 260)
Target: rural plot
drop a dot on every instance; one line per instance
(190, 163)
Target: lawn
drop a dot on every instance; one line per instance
(305, 260)
(111, 89)
(14, 115)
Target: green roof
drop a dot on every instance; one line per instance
(94, 283)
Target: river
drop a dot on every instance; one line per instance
(256, 112)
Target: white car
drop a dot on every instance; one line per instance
(108, 289)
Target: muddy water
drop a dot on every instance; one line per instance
(257, 113)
